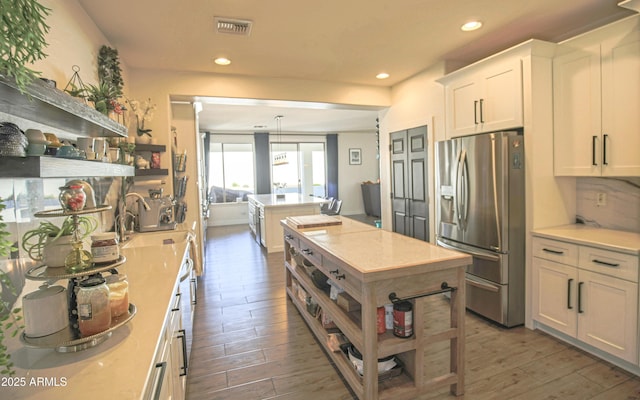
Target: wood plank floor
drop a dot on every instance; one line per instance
(251, 343)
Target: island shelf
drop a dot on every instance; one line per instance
(391, 263)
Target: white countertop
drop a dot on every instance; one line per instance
(608, 239)
(290, 199)
(119, 367)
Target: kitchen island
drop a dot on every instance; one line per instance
(125, 365)
(266, 211)
(371, 264)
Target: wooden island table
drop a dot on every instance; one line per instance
(369, 264)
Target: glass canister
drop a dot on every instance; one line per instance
(72, 197)
(94, 311)
(104, 247)
(118, 294)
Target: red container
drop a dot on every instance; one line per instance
(403, 319)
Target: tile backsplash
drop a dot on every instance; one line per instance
(622, 208)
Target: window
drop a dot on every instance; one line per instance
(231, 172)
(298, 168)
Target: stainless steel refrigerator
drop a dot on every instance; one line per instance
(480, 210)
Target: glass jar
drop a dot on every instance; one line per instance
(118, 294)
(94, 311)
(104, 247)
(72, 197)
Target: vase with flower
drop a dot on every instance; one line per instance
(143, 113)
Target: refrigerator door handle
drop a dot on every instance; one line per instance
(482, 285)
(462, 190)
(490, 256)
(494, 177)
(458, 190)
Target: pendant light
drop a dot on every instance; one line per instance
(280, 158)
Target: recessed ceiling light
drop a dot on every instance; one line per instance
(222, 61)
(382, 75)
(471, 26)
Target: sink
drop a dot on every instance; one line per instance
(160, 238)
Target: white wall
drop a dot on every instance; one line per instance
(415, 102)
(351, 176)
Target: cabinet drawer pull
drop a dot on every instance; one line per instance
(475, 112)
(604, 149)
(334, 272)
(194, 290)
(557, 252)
(608, 264)
(569, 282)
(580, 310)
(185, 362)
(163, 367)
(288, 237)
(307, 252)
(176, 307)
(339, 277)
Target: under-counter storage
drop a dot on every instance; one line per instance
(368, 288)
(587, 293)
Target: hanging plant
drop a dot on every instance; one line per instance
(22, 31)
(109, 71)
(10, 319)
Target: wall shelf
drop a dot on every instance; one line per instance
(152, 172)
(56, 167)
(46, 105)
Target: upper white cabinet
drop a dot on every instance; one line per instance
(596, 101)
(487, 100)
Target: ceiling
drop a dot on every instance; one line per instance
(344, 41)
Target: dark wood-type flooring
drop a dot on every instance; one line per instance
(251, 343)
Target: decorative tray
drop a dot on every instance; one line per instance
(59, 212)
(45, 273)
(68, 341)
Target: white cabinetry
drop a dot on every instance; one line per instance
(484, 99)
(596, 102)
(587, 293)
(169, 378)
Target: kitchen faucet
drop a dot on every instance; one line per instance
(120, 224)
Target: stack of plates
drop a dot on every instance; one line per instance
(12, 141)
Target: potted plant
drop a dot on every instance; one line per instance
(104, 97)
(51, 243)
(22, 38)
(109, 70)
(10, 319)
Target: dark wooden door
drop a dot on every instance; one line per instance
(410, 202)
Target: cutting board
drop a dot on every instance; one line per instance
(313, 221)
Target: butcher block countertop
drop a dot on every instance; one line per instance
(376, 254)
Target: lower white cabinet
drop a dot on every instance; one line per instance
(587, 293)
(170, 365)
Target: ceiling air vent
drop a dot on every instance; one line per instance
(233, 26)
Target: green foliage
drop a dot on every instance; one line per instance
(10, 320)
(34, 241)
(109, 71)
(22, 30)
(103, 96)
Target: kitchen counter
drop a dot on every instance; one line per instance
(266, 211)
(607, 239)
(290, 199)
(120, 367)
(370, 265)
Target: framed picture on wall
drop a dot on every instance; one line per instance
(355, 156)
